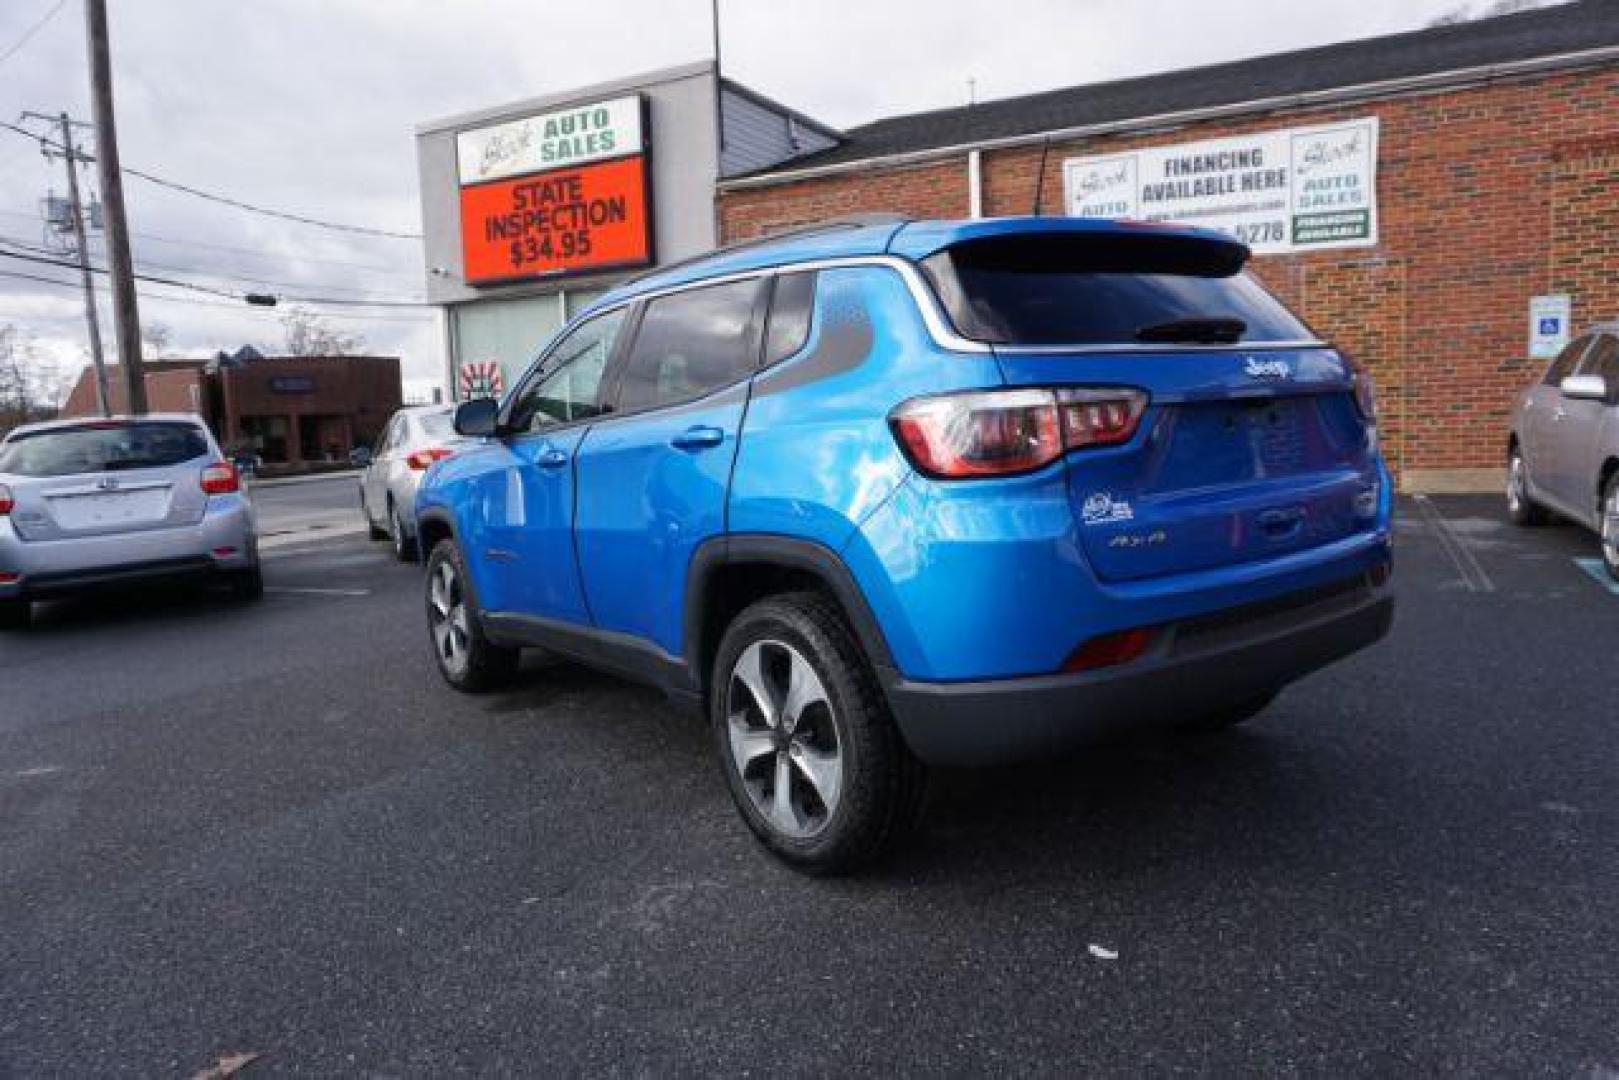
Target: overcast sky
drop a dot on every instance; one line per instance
(309, 106)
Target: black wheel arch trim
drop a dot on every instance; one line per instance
(788, 553)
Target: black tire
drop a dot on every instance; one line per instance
(466, 657)
(247, 584)
(1228, 718)
(16, 614)
(373, 531)
(1609, 524)
(404, 544)
(879, 784)
(1521, 509)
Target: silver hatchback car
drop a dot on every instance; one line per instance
(85, 503)
(1563, 454)
(414, 438)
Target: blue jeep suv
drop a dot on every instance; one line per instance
(885, 494)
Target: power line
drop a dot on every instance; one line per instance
(362, 230)
(332, 301)
(237, 307)
(28, 34)
(146, 263)
(252, 253)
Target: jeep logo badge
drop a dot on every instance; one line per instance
(1267, 369)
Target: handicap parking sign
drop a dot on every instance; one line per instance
(1548, 325)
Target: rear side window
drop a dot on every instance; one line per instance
(1562, 367)
(1106, 290)
(791, 309)
(690, 343)
(102, 448)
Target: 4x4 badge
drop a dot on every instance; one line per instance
(1267, 369)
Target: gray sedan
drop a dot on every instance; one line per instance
(86, 503)
(1563, 454)
(413, 440)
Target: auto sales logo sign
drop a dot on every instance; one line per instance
(1294, 189)
(563, 192)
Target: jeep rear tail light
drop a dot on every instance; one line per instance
(1006, 432)
(421, 459)
(1365, 394)
(6, 501)
(220, 478)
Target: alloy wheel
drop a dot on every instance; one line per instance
(1515, 487)
(783, 738)
(447, 616)
(1610, 527)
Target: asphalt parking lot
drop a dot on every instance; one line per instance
(269, 828)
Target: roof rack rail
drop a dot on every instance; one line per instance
(852, 221)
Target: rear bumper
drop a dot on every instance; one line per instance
(1197, 667)
(47, 568)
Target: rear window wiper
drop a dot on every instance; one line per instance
(1194, 331)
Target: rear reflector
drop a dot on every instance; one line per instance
(6, 501)
(9, 579)
(421, 459)
(224, 552)
(1110, 650)
(1006, 432)
(220, 478)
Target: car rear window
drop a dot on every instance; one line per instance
(102, 448)
(1066, 289)
(439, 425)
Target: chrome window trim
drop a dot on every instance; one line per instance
(933, 317)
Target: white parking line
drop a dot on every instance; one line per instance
(295, 590)
(1467, 565)
(1599, 572)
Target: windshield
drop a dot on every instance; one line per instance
(102, 447)
(1106, 290)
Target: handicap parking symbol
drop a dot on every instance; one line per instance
(1550, 327)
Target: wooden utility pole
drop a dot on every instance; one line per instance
(121, 269)
(92, 319)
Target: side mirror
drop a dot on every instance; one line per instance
(478, 418)
(1585, 388)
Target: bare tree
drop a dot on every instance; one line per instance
(19, 389)
(309, 334)
(155, 336)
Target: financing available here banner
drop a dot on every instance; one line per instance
(1294, 189)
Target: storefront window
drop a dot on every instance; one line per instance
(507, 333)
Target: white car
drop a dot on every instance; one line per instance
(414, 439)
(87, 503)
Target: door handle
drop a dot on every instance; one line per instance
(551, 459)
(698, 437)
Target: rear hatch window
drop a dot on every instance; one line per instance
(102, 447)
(1107, 290)
(437, 426)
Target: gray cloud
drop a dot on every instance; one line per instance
(310, 105)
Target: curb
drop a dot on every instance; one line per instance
(282, 481)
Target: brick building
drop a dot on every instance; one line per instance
(293, 410)
(1494, 178)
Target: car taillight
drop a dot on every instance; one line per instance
(6, 501)
(220, 478)
(1365, 394)
(1005, 432)
(421, 459)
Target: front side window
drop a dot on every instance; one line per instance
(1603, 360)
(691, 343)
(568, 387)
(1106, 289)
(103, 447)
